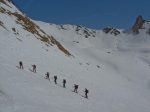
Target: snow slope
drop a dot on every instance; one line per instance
(115, 69)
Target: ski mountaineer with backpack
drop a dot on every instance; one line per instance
(34, 68)
(47, 76)
(20, 65)
(86, 92)
(64, 83)
(55, 79)
(76, 88)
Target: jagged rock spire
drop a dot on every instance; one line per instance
(138, 24)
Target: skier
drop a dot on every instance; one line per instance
(47, 76)
(76, 88)
(86, 92)
(34, 68)
(64, 83)
(20, 65)
(55, 79)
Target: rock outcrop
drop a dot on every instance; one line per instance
(111, 31)
(138, 24)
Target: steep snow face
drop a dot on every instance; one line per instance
(115, 69)
(14, 21)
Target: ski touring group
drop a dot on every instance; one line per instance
(47, 76)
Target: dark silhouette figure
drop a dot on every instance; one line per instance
(47, 76)
(86, 92)
(55, 79)
(20, 65)
(34, 68)
(64, 83)
(76, 88)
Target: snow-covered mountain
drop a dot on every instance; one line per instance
(112, 63)
(19, 24)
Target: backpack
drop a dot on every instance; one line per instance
(64, 81)
(20, 63)
(76, 86)
(86, 90)
(55, 77)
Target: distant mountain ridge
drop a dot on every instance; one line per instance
(46, 32)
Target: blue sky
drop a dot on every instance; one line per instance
(95, 14)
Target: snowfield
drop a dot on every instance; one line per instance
(115, 69)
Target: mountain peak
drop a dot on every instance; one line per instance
(111, 30)
(138, 24)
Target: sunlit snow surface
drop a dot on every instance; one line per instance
(115, 69)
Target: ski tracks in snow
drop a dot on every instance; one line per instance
(6, 102)
(52, 82)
